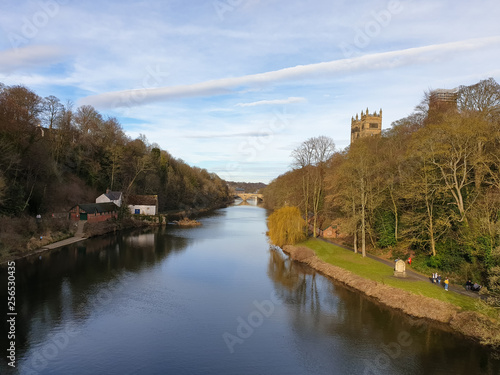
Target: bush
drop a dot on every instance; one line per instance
(15, 232)
(384, 226)
(400, 254)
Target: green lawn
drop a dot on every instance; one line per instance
(377, 271)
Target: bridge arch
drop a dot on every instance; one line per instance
(247, 196)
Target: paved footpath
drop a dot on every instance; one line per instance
(77, 238)
(410, 273)
(65, 242)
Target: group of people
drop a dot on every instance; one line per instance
(436, 278)
(475, 287)
(469, 285)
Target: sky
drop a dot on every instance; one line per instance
(234, 86)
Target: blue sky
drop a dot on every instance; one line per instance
(234, 86)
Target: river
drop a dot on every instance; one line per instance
(215, 299)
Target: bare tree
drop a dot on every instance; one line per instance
(52, 110)
(483, 97)
(311, 157)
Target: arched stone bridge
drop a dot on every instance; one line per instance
(247, 196)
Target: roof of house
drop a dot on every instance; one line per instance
(327, 225)
(91, 208)
(142, 200)
(113, 195)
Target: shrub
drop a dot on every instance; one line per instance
(384, 225)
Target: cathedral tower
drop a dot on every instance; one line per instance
(367, 125)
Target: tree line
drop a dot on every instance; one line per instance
(429, 186)
(53, 156)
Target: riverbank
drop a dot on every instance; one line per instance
(81, 231)
(44, 243)
(459, 316)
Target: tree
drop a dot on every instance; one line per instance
(359, 174)
(482, 97)
(52, 109)
(2, 188)
(311, 157)
(286, 226)
(480, 102)
(392, 161)
(342, 194)
(451, 147)
(424, 193)
(284, 190)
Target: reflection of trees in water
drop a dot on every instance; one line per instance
(297, 286)
(298, 281)
(56, 284)
(350, 322)
(281, 272)
(317, 300)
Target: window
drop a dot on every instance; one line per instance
(373, 125)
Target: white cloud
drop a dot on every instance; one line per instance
(290, 100)
(375, 61)
(115, 47)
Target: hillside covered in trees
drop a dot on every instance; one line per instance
(53, 156)
(248, 187)
(429, 186)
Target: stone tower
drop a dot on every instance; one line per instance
(367, 125)
(443, 99)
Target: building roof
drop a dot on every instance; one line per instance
(113, 195)
(91, 208)
(142, 200)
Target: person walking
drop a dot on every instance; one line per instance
(446, 282)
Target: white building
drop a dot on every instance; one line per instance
(115, 197)
(143, 204)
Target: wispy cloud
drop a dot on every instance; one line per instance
(376, 61)
(225, 135)
(30, 56)
(273, 102)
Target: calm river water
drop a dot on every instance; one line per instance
(215, 299)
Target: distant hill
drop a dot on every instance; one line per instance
(248, 187)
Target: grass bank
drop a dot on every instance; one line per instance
(420, 299)
(379, 272)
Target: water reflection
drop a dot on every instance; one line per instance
(142, 304)
(377, 340)
(66, 283)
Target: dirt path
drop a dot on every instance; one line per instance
(411, 273)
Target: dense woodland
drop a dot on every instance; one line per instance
(429, 186)
(53, 156)
(248, 187)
